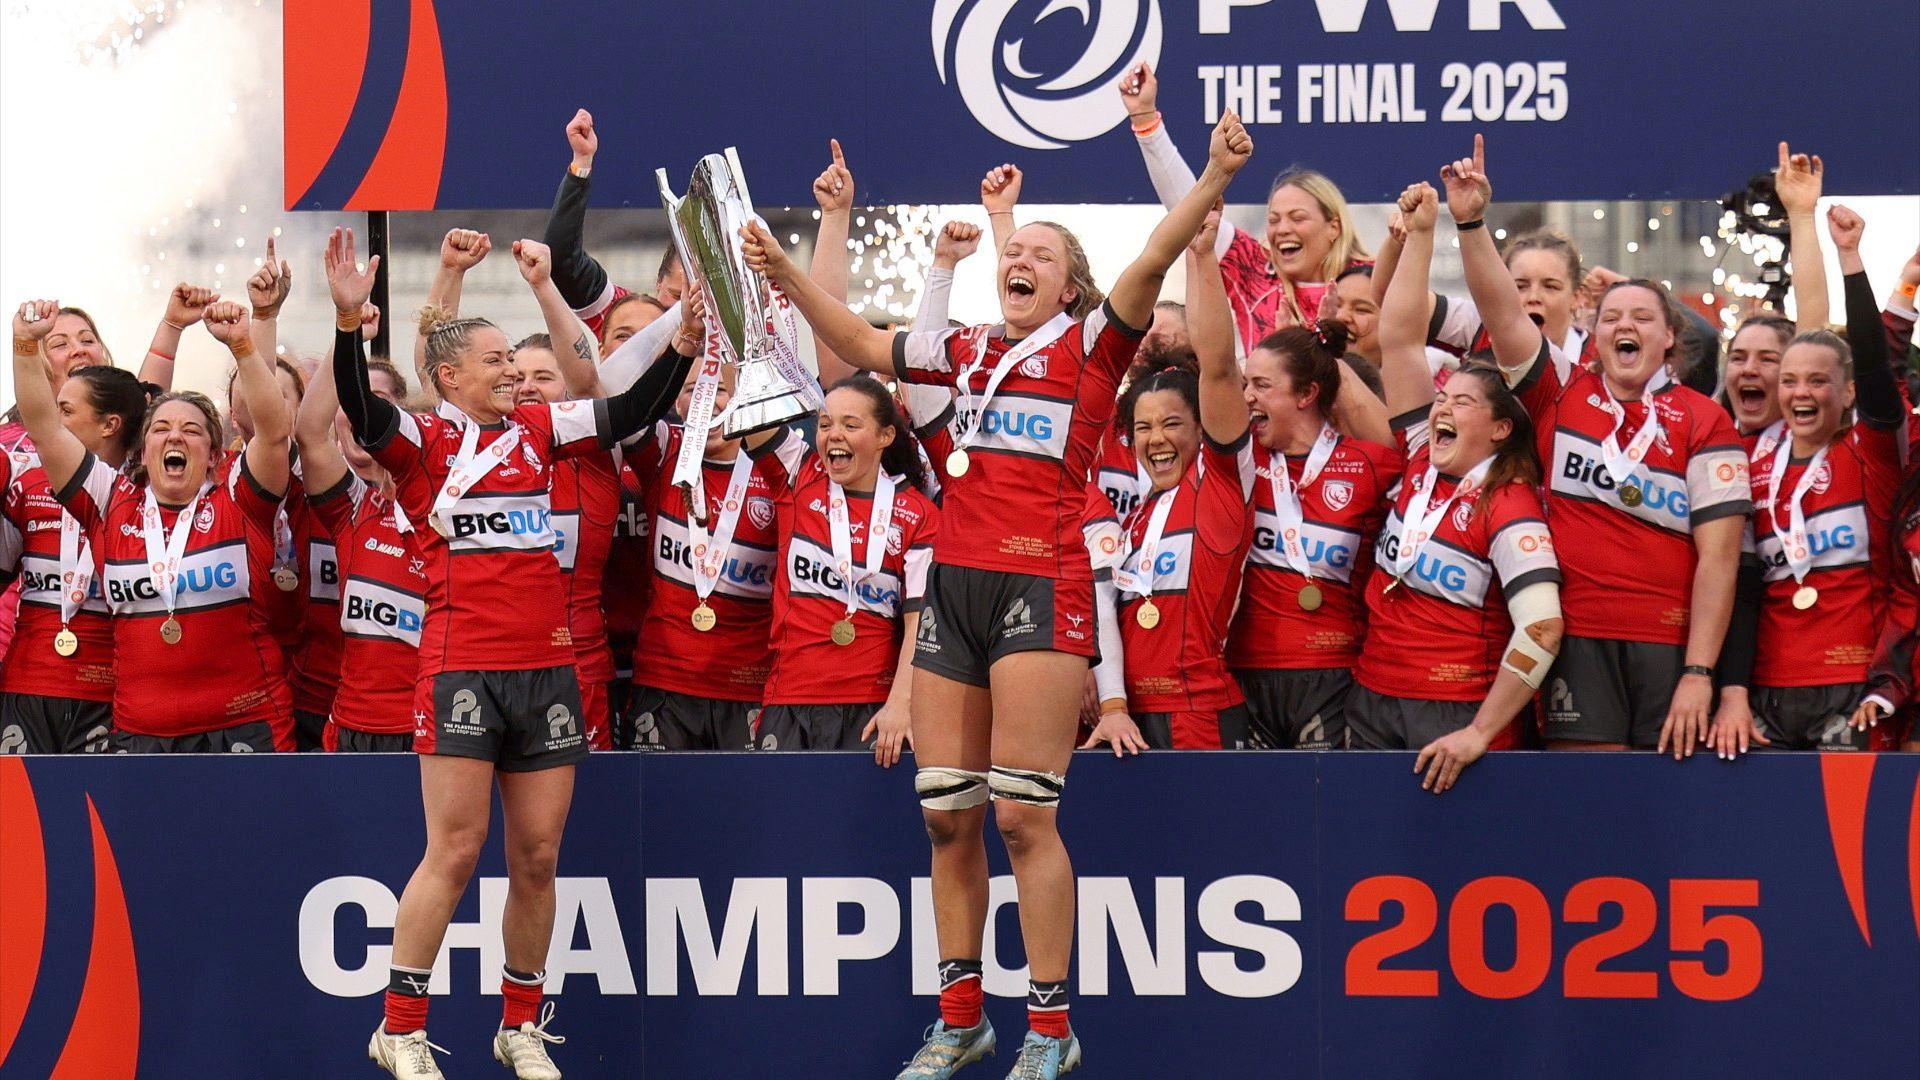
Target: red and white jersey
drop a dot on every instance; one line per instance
(1457, 328)
(380, 601)
(1440, 634)
(286, 608)
(1343, 509)
(1257, 295)
(1848, 512)
(495, 597)
(226, 668)
(1179, 665)
(731, 662)
(1019, 506)
(1119, 475)
(586, 502)
(1633, 580)
(32, 518)
(808, 591)
(315, 667)
(627, 580)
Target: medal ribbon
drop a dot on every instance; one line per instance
(1141, 584)
(699, 420)
(164, 555)
(709, 553)
(1408, 551)
(1621, 466)
(1034, 342)
(1287, 511)
(1793, 542)
(76, 567)
(469, 466)
(840, 531)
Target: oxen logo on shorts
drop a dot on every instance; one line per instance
(1336, 494)
(760, 512)
(560, 722)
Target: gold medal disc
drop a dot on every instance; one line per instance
(958, 464)
(1805, 597)
(170, 631)
(1310, 598)
(65, 643)
(1147, 615)
(1630, 496)
(704, 619)
(285, 579)
(843, 633)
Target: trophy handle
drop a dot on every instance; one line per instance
(739, 178)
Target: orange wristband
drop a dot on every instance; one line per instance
(1150, 128)
(346, 321)
(1117, 705)
(1908, 289)
(26, 346)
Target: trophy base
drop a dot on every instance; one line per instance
(746, 417)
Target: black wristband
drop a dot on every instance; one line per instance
(1469, 226)
(1697, 669)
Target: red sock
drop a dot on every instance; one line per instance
(406, 1000)
(1052, 1024)
(960, 1002)
(1047, 1009)
(520, 998)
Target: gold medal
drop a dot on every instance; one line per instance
(1630, 495)
(1310, 598)
(285, 578)
(1147, 615)
(1805, 597)
(843, 632)
(65, 643)
(957, 463)
(704, 619)
(170, 631)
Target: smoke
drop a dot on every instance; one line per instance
(141, 148)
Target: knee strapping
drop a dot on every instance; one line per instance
(1025, 786)
(950, 789)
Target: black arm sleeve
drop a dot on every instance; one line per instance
(579, 278)
(374, 419)
(646, 401)
(1876, 395)
(1743, 630)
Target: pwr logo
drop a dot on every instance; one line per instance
(102, 1039)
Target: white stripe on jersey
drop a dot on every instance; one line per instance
(1330, 551)
(374, 610)
(747, 574)
(1837, 536)
(810, 573)
(1172, 563)
(40, 583)
(1577, 472)
(210, 577)
(481, 523)
(573, 421)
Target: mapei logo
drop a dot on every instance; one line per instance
(1043, 84)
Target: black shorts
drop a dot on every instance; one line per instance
(254, 738)
(1808, 717)
(309, 731)
(1296, 709)
(1378, 722)
(32, 724)
(1226, 728)
(972, 618)
(522, 721)
(1605, 691)
(665, 720)
(341, 740)
(814, 727)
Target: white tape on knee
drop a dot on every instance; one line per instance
(1026, 786)
(950, 789)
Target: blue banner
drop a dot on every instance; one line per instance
(409, 104)
(1241, 914)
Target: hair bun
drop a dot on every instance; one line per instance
(1332, 336)
(434, 318)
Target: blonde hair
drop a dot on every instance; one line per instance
(1347, 248)
(1087, 295)
(446, 337)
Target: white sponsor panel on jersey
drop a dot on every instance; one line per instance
(323, 570)
(1578, 472)
(500, 523)
(210, 577)
(373, 609)
(1020, 424)
(746, 575)
(40, 582)
(810, 572)
(1330, 550)
(1442, 569)
(1836, 536)
(1172, 563)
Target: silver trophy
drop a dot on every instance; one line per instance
(706, 230)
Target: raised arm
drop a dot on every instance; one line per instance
(1000, 193)
(833, 190)
(1166, 169)
(460, 251)
(1403, 314)
(573, 348)
(267, 291)
(321, 462)
(956, 241)
(254, 382)
(374, 419)
(581, 279)
(1516, 340)
(1797, 180)
(1223, 401)
(186, 305)
(847, 334)
(60, 451)
(1878, 396)
(1134, 294)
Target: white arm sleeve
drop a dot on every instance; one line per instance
(1172, 179)
(1110, 675)
(925, 402)
(635, 355)
(1525, 657)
